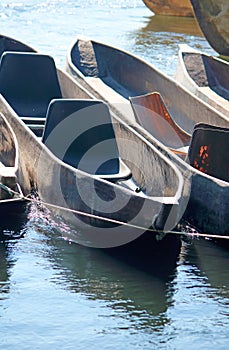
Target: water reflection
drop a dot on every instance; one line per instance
(212, 259)
(12, 223)
(157, 41)
(159, 293)
(171, 24)
(133, 280)
(12, 227)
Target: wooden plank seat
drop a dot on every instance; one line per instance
(81, 133)
(29, 81)
(152, 114)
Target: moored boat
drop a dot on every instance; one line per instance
(205, 76)
(109, 199)
(181, 8)
(213, 17)
(117, 76)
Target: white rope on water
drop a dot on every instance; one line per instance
(118, 222)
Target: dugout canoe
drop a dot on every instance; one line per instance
(213, 17)
(11, 196)
(150, 191)
(181, 8)
(205, 76)
(117, 76)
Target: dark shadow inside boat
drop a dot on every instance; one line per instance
(81, 133)
(18, 72)
(9, 44)
(207, 72)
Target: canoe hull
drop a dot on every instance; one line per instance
(181, 8)
(213, 17)
(114, 215)
(205, 76)
(206, 209)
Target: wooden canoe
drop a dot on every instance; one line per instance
(205, 76)
(213, 17)
(154, 193)
(11, 196)
(117, 76)
(181, 8)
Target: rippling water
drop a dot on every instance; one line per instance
(57, 295)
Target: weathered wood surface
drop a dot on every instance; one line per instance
(65, 189)
(8, 167)
(205, 76)
(117, 75)
(121, 75)
(170, 7)
(213, 19)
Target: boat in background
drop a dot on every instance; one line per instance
(109, 201)
(205, 76)
(11, 196)
(166, 118)
(181, 8)
(213, 19)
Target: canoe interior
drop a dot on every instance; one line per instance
(160, 181)
(208, 72)
(7, 144)
(10, 44)
(92, 62)
(130, 76)
(8, 162)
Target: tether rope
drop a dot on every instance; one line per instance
(117, 222)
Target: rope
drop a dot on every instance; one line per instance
(118, 222)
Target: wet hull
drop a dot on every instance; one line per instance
(114, 215)
(213, 17)
(121, 75)
(170, 8)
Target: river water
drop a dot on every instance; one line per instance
(59, 295)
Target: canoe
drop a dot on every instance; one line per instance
(181, 8)
(97, 174)
(205, 76)
(117, 77)
(213, 17)
(11, 196)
